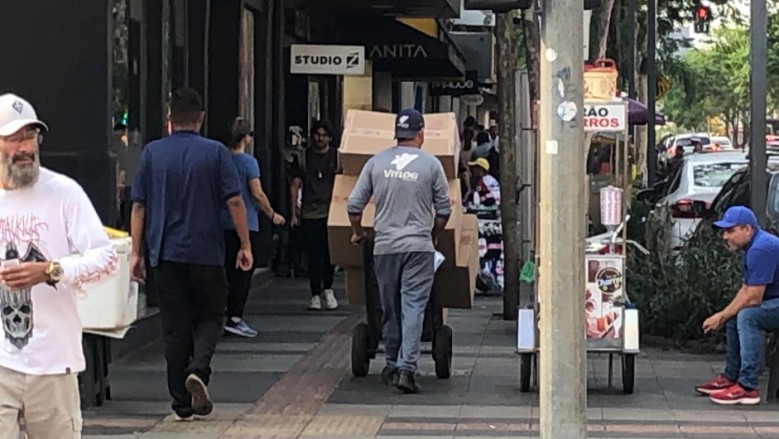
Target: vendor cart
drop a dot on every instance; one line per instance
(611, 320)
(366, 336)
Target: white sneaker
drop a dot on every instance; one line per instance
(316, 304)
(330, 301)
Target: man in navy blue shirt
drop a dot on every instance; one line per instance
(754, 309)
(180, 186)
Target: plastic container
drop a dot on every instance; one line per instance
(611, 206)
(111, 303)
(600, 79)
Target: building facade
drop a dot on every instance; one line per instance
(88, 68)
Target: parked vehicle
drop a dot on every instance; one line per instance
(685, 141)
(719, 143)
(698, 178)
(737, 192)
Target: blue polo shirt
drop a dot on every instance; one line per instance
(761, 263)
(248, 169)
(184, 180)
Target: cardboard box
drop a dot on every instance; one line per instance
(367, 133)
(454, 287)
(344, 254)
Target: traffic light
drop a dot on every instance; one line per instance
(702, 19)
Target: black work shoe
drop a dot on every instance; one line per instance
(389, 375)
(407, 382)
(201, 402)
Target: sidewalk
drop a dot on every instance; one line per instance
(294, 380)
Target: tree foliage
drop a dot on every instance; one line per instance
(719, 80)
(675, 291)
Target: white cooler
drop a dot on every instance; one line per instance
(111, 303)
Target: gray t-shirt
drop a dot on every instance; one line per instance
(408, 185)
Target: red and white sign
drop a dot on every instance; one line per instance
(605, 118)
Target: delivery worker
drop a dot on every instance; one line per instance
(408, 185)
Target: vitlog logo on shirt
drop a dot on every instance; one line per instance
(400, 162)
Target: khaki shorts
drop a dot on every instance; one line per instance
(48, 406)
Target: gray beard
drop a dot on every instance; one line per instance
(19, 177)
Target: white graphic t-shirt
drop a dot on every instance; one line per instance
(53, 220)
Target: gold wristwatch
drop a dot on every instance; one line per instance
(55, 272)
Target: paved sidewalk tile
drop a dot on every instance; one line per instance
(307, 391)
(343, 425)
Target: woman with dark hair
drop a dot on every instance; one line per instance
(255, 200)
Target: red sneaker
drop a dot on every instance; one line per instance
(736, 395)
(714, 385)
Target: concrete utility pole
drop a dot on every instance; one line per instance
(563, 397)
(504, 34)
(759, 57)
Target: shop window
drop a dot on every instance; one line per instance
(314, 101)
(120, 69)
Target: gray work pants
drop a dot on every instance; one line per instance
(405, 281)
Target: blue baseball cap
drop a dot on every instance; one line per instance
(737, 216)
(408, 123)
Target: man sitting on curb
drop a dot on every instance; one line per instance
(754, 309)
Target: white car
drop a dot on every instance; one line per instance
(685, 141)
(698, 178)
(722, 142)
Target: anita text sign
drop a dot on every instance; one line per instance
(605, 117)
(327, 60)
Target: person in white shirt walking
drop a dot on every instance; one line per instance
(52, 243)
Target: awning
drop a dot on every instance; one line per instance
(417, 8)
(478, 48)
(409, 54)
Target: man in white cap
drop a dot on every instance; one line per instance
(51, 244)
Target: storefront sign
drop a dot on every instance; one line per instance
(605, 117)
(398, 51)
(470, 86)
(327, 60)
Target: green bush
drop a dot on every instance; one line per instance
(676, 291)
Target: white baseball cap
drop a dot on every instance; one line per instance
(16, 113)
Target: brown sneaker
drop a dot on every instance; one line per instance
(714, 385)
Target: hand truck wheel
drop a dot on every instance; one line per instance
(442, 352)
(361, 360)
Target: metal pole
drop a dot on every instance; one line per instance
(651, 48)
(563, 397)
(526, 170)
(631, 13)
(504, 33)
(758, 54)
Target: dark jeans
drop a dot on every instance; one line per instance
(320, 270)
(744, 335)
(238, 281)
(192, 304)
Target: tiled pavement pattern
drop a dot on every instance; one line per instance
(293, 381)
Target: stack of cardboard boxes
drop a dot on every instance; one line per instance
(367, 133)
